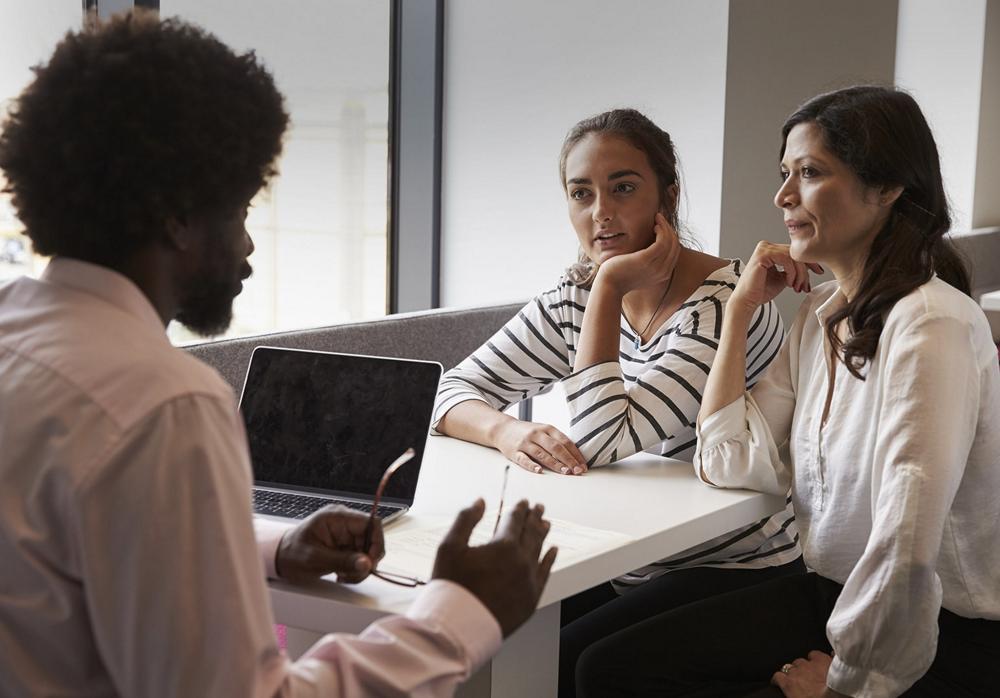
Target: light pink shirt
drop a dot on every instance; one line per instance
(130, 566)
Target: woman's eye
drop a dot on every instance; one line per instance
(808, 171)
(625, 187)
(578, 194)
(783, 174)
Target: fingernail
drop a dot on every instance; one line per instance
(538, 468)
(577, 470)
(564, 470)
(361, 563)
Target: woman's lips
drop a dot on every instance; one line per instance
(608, 239)
(796, 227)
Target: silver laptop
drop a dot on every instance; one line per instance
(323, 427)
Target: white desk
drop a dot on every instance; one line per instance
(657, 502)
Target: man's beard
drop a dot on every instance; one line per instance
(208, 308)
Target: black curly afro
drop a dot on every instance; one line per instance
(130, 124)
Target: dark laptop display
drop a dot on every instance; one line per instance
(329, 423)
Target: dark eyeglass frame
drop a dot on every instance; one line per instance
(391, 577)
(503, 495)
(402, 579)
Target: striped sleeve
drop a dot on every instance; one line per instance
(612, 417)
(527, 355)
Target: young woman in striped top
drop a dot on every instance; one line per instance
(631, 332)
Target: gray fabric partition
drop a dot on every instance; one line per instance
(446, 336)
(982, 251)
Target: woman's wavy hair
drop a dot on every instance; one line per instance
(132, 123)
(643, 134)
(882, 135)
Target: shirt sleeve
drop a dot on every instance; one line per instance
(739, 445)
(527, 355)
(176, 596)
(268, 534)
(610, 419)
(884, 625)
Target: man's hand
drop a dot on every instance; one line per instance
(505, 574)
(806, 678)
(331, 540)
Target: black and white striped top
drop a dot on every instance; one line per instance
(648, 400)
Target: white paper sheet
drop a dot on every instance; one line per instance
(412, 543)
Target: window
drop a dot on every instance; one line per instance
(26, 39)
(320, 227)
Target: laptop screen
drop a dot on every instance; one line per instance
(334, 422)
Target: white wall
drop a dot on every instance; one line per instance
(28, 37)
(986, 206)
(781, 53)
(518, 75)
(939, 60)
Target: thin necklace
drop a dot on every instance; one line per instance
(638, 336)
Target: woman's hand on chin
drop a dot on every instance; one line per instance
(771, 270)
(537, 447)
(646, 267)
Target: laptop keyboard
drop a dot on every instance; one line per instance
(299, 506)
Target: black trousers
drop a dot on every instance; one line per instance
(730, 645)
(595, 614)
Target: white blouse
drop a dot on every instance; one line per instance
(897, 495)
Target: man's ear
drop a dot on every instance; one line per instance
(178, 234)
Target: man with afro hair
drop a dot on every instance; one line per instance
(130, 561)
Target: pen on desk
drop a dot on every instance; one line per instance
(503, 493)
(393, 467)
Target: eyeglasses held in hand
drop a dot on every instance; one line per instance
(392, 578)
(401, 579)
(503, 493)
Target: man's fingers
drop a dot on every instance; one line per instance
(534, 531)
(513, 523)
(349, 566)
(464, 523)
(545, 566)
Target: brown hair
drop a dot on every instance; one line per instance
(881, 134)
(643, 134)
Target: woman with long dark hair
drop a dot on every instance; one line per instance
(630, 332)
(882, 412)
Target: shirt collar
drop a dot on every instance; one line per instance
(106, 284)
(832, 304)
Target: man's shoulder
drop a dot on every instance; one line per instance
(107, 358)
(136, 384)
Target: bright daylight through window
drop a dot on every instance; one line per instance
(320, 228)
